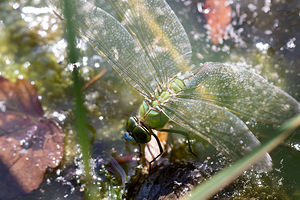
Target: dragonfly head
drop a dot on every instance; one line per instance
(137, 131)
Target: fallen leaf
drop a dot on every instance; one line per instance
(29, 142)
(218, 17)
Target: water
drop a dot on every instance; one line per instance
(263, 35)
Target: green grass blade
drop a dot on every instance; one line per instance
(79, 109)
(229, 174)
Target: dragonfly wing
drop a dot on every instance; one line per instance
(241, 91)
(115, 44)
(160, 33)
(225, 131)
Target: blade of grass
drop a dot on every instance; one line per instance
(79, 109)
(229, 174)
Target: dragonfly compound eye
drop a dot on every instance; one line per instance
(131, 124)
(141, 134)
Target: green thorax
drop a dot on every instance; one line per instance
(150, 110)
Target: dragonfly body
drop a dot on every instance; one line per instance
(151, 111)
(210, 102)
(151, 115)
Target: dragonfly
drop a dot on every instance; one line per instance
(151, 51)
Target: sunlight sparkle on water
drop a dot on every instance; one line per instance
(263, 47)
(296, 146)
(267, 6)
(42, 33)
(84, 61)
(7, 61)
(291, 43)
(29, 15)
(97, 65)
(36, 11)
(2, 106)
(16, 6)
(20, 76)
(59, 116)
(252, 7)
(26, 64)
(59, 48)
(85, 70)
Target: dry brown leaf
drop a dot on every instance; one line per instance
(218, 18)
(29, 143)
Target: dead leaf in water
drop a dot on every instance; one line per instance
(29, 143)
(218, 17)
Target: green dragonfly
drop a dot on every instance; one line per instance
(151, 51)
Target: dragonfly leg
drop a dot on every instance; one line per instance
(143, 160)
(160, 149)
(189, 143)
(185, 134)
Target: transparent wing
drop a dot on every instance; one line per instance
(225, 131)
(242, 92)
(160, 33)
(115, 43)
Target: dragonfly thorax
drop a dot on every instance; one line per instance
(152, 115)
(151, 112)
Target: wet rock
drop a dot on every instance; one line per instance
(172, 181)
